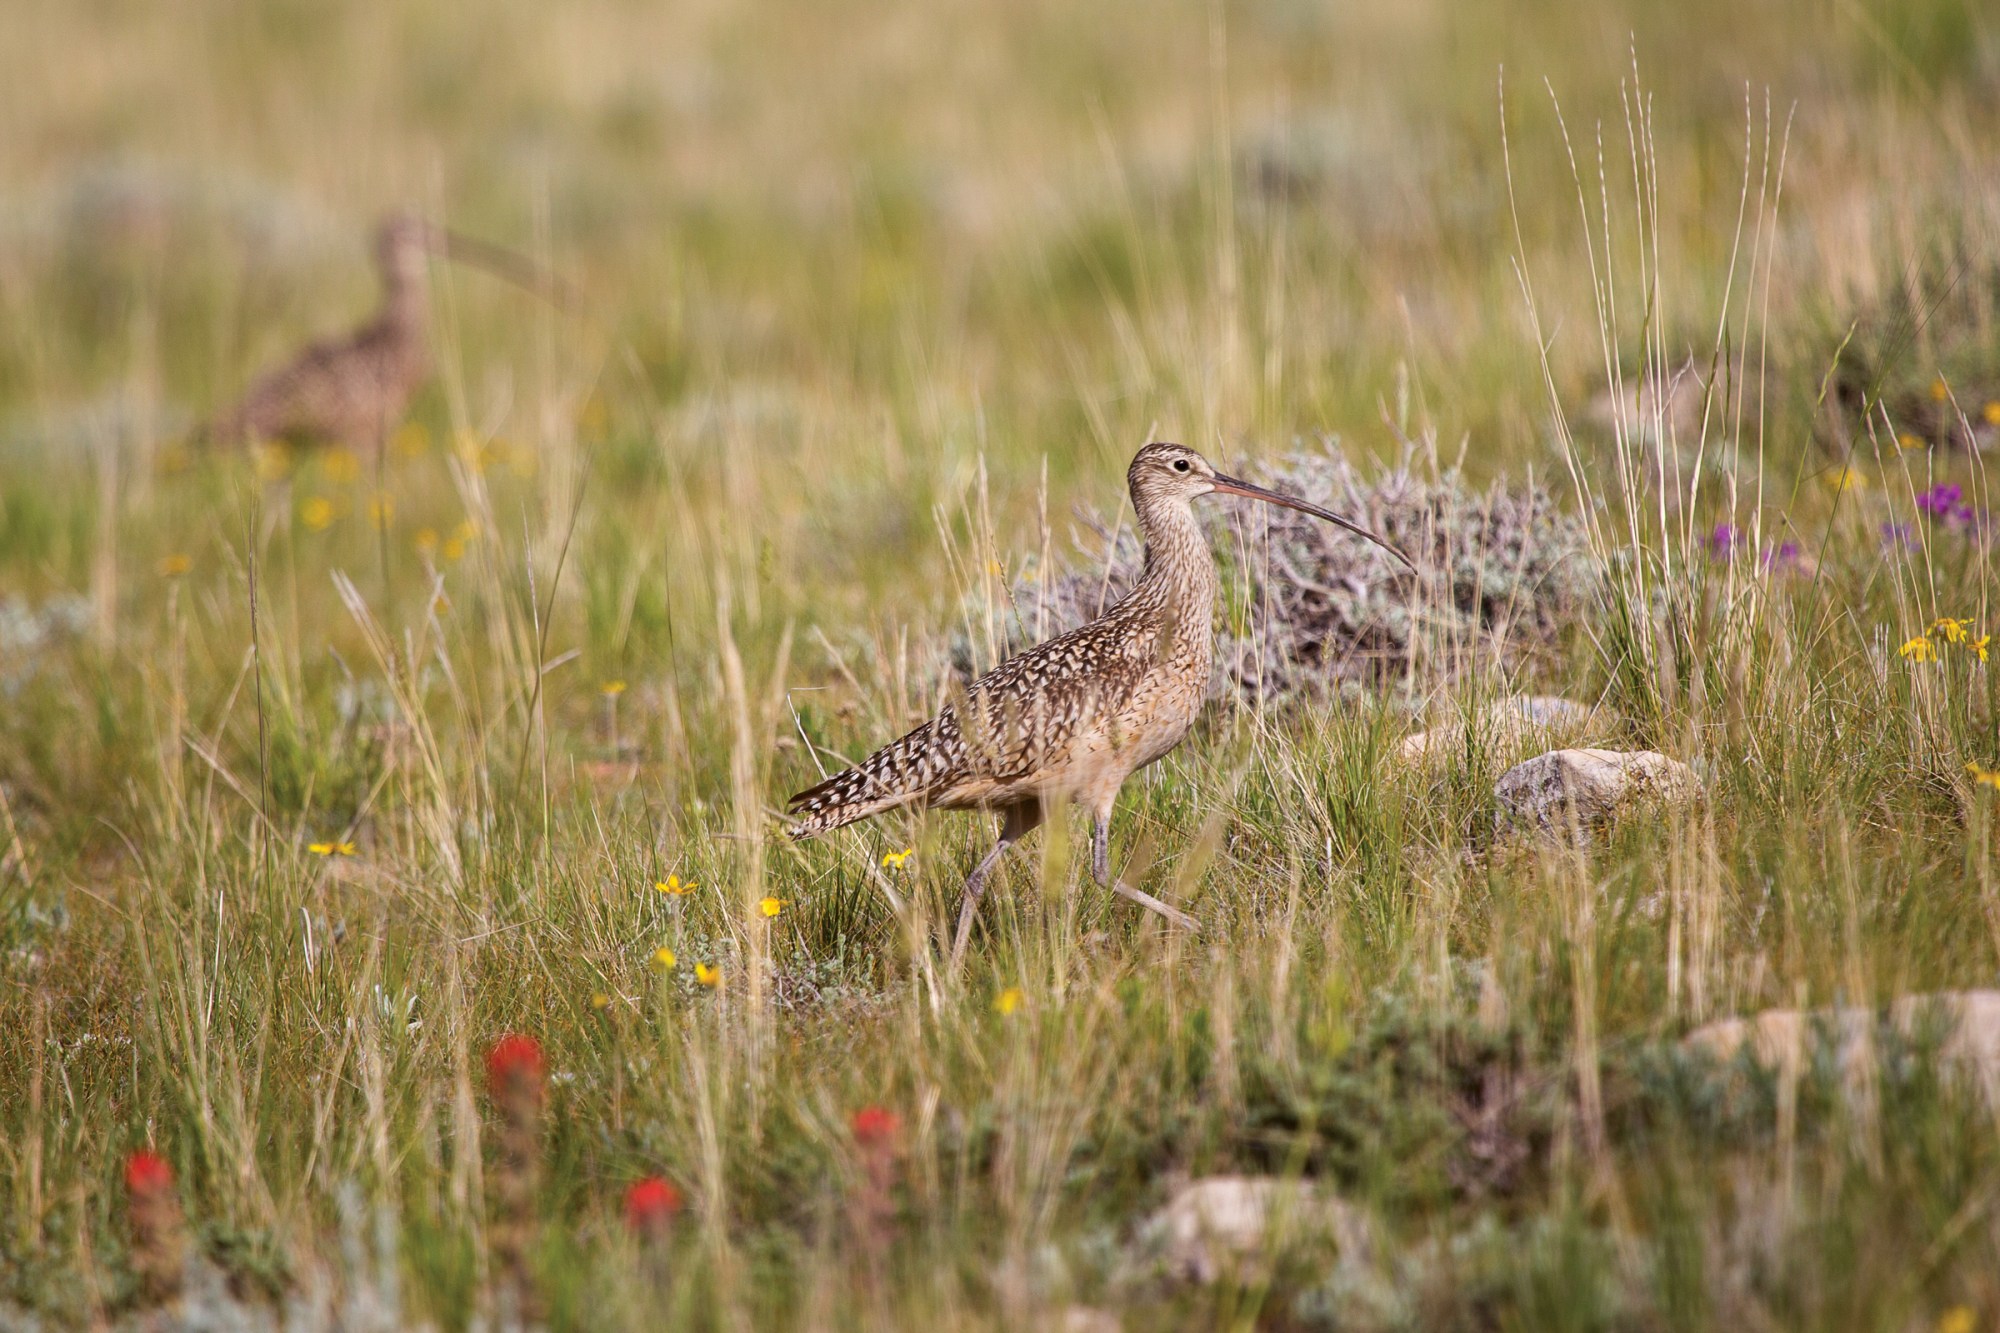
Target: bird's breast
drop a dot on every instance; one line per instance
(1163, 709)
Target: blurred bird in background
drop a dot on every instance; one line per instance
(354, 389)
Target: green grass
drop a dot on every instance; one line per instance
(873, 300)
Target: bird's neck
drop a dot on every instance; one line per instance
(1179, 569)
(405, 301)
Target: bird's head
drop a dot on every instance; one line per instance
(1173, 473)
(1169, 472)
(405, 242)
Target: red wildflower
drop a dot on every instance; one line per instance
(874, 1126)
(872, 1201)
(514, 1070)
(147, 1173)
(651, 1204)
(514, 1067)
(153, 1211)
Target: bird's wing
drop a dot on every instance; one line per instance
(1003, 727)
(1019, 716)
(316, 393)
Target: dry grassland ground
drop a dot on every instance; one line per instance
(1670, 329)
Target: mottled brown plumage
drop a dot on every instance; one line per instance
(355, 389)
(1073, 717)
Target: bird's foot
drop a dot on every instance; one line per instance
(1152, 904)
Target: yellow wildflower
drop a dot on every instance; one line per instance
(426, 540)
(453, 549)
(1847, 479)
(331, 848)
(316, 513)
(274, 461)
(894, 860)
(411, 440)
(673, 884)
(612, 688)
(599, 1000)
(342, 465)
(664, 959)
(1954, 631)
(995, 567)
(1007, 1001)
(1984, 777)
(1918, 650)
(381, 508)
(1958, 1319)
(1909, 441)
(1992, 413)
(1939, 391)
(770, 907)
(175, 565)
(1978, 646)
(706, 975)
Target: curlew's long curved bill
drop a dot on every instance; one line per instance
(1236, 486)
(503, 263)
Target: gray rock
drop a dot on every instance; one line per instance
(1566, 789)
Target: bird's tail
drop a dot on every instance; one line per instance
(897, 774)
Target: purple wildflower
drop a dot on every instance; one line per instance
(1779, 558)
(1941, 500)
(1722, 541)
(1898, 535)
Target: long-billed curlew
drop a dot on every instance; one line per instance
(354, 389)
(1074, 716)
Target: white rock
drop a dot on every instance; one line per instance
(1421, 746)
(1966, 1025)
(1509, 720)
(1972, 1017)
(1550, 711)
(1087, 1319)
(1777, 1038)
(1586, 787)
(1646, 409)
(1213, 1225)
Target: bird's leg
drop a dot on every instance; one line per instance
(1020, 821)
(1100, 857)
(974, 884)
(1100, 849)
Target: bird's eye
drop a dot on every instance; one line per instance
(1180, 465)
